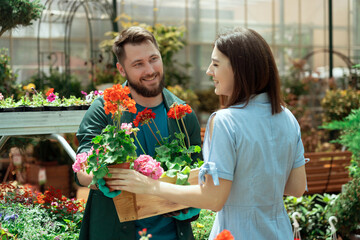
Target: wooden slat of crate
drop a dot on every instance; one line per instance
(131, 206)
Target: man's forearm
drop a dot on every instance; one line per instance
(85, 179)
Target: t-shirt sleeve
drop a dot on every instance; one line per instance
(220, 149)
(299, 154)
(92, 124)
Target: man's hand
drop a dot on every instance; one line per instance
(176, 213)
(187, 214)
(85, 179)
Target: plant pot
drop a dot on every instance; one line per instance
(14, 109)
(74, 107)
(85, 107)
(53, 108)
(33, 109)
(125, 165)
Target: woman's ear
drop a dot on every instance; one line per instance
(121, 69)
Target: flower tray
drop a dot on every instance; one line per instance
(130, 206)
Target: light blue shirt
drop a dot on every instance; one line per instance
(256, 151)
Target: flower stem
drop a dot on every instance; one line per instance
(153, 133)
(157, 130)
(139, 143)
(187, 135)
(177, 121)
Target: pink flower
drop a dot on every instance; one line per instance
(1, 97)
(51, 97)
(92, 150)
(127, 127)
(80, 162)
(147, 166)
(84, 93)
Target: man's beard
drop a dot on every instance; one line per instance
(144, 91)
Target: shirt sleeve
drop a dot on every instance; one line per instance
(299, 154)
(92, 124)
(94, 121)
(221, 148)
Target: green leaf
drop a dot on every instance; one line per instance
(171, 173)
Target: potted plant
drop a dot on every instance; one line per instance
(72, 103)
(347, 206)
(53, 102)
(10, 105)
(106, 75)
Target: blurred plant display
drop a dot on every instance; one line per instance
(209, 101)
(16, 13)
(27, 214)
(314, 211)
(58, 80)
(202, 226)
(187, 95)
(346, 208)
(337, 104)
(350, 138)
(107, 73)
(297, 90)
(8, 86)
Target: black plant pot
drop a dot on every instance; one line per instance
(75, 107)
(33, 109)
(53, 108)
(14, 109)
(85, 107)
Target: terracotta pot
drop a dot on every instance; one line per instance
(125, 165)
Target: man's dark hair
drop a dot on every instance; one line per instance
(133, 35)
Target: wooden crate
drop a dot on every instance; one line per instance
(130, 206)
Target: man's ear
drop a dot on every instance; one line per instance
(121, 69)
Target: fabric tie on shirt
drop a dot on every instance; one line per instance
(306, 161)
(208, 168)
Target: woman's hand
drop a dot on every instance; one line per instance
(130, 180)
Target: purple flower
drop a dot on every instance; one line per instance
(84, 93)
(11, 217)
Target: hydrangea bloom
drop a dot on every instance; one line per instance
(80, 162)
(148, 166)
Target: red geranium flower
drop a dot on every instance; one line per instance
(225, 235)
(51, 90)
(179, 111)
(144, 117)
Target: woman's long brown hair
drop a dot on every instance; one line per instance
(254, 67)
